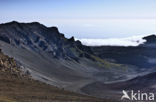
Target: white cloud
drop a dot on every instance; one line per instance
(129, 41)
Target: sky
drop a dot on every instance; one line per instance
(86, 19)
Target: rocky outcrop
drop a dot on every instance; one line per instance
(150, 39)
(39, 38)
(8, 65)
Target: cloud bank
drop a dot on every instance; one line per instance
(129, 41)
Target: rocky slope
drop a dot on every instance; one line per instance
(145, 83)
(17, 86)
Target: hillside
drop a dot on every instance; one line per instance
(16, 86)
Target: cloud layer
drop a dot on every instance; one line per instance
(129, 41)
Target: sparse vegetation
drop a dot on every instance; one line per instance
(17, 87)
(102, 62)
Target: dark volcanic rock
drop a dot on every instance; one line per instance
(71, 39)
(150, 39)
(5, 39)
(39, 38)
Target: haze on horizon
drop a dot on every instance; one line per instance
(86, 18)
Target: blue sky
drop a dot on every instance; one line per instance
(85, 18)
